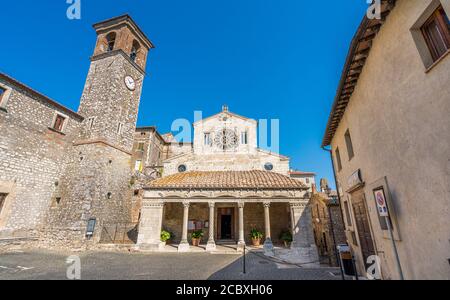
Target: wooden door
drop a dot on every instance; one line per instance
(225, 217)
(362, 225)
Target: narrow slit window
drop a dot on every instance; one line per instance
(347, 213)
(91, 123)
(244, 138)
(207, 139)
(119, 128)
(338, 159)
(349, 144)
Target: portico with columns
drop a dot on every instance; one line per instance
(207, 201)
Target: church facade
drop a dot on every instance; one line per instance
(66, 176)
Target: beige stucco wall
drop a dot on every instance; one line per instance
(399, 122)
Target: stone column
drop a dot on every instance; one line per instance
(211, 245)
(303, 245)
(184, 244)
(241, 241)
(268, 246)
(149, 236)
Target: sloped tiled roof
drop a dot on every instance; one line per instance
(356, 58)
(227, 180)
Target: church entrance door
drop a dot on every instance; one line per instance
(225, 223)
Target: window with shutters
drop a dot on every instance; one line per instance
(436, 32)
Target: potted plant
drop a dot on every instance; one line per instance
(286, 237)
(256, 237)
(165, 236)
(196, 237)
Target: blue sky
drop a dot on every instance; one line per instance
(266, 59)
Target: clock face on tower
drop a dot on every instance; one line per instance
(226, 139)
(130, 83)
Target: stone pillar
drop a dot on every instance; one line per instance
(149, 236)
(241, 241)
(268, 246)
(211, 245)
(184, 245)
(303, 245)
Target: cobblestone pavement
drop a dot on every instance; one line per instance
(121, 265)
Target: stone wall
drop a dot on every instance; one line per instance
(322, 216)
(96, 184)
(32, 156)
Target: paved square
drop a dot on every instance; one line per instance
(163, 266)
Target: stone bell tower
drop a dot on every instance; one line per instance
(96, 185)
(112, 92)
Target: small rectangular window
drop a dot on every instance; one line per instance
(140, 147)
(338, 159)
(90, 123)
(436, 32)
(207, 139)
(244, 138)
(348, 143)
(2, 201)
(59, 123)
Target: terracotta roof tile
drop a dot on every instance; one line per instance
(227, 179)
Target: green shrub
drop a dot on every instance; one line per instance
(256, 234)
(286, 236)
(165, 236)
(198, 234)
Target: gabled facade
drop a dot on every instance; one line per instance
(228, 142)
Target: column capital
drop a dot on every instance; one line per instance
(241, 204)
(266, 204)
(186, 204)
(212, 204)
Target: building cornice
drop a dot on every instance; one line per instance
(356, 58)
(116, 52)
